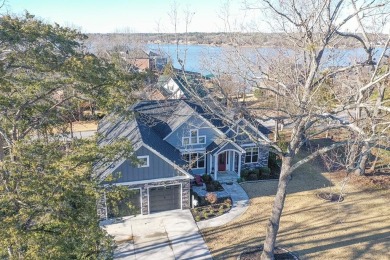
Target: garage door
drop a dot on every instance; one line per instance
(124, 204)
(164, 198)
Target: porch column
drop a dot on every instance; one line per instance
(234, 161)
(210, 163)
(239, 164)
(216, 167)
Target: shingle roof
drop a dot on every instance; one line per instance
(150, 123)
(153, 140)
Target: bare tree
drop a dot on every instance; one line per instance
(318, 87)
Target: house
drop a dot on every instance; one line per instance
(174, 140)
(145, 60)
(178, 86)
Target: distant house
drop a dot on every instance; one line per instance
(175, 140)
(178, 87)
(146, 60)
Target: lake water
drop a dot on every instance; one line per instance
(193, 56)
(205, 59)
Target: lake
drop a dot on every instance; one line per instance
(206, 59)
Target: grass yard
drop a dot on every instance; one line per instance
(357, 228)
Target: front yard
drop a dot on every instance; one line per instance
(356, 228)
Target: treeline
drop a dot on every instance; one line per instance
(217, 39)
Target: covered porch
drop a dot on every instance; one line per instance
(226, 161)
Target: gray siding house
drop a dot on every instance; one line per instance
(174, 140)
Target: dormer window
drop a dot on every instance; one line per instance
(194, 138)
(143, 161)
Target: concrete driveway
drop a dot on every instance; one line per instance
(167, 235)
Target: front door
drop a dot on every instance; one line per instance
(222, 162)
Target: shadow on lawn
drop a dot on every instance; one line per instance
(353, 237)
(355, 241)
(327, 227)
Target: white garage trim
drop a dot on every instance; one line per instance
(156, 186)
(140, 197)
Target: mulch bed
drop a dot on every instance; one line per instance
(211, 211)
(254, 253)
(331, 197)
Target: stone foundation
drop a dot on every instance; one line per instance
(185, 194)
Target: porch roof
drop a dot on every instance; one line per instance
(215, 148)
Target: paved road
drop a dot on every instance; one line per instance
(166, 235)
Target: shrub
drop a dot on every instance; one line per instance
(252, 177)
(274, 160)
(265, 170)
(214, 186)
(211, 197)
(206, 178)
(228, 201)
(245, 173)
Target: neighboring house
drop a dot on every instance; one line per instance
(175, 140)
(145, 60)
(157, 61)
(178, 87)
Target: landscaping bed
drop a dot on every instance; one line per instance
(259, 173)
(220, 207)
(332, 197)
(212, 200)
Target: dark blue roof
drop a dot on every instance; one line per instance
(153, 140)
(151, 121)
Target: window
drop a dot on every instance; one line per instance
(143, 161)
(186, 140)
(252, 155)
(195, 160)
(194, 138)
(202, 139)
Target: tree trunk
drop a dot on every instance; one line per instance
(361, 164)
(273, 222)
(372, 168)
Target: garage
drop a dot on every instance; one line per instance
(164, 198)
(123, 204)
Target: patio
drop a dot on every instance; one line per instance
(226, 176)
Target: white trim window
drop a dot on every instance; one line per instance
(194, 138)
(143, 161)
(195, 160)
(252, 155)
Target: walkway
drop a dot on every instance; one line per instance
(240, 204)
(167, 235)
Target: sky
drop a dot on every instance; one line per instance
(144, 16)
(103, 16)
